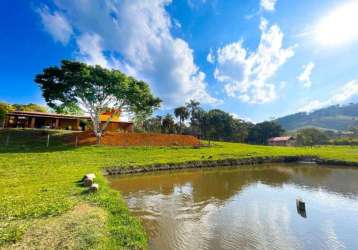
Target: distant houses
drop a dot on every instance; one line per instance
(282, 141)
(27, 119)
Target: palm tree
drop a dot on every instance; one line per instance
(193, 107)
(183, 114)
(168, 124)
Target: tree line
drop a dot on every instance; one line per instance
(215, 124)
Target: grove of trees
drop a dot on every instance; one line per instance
(214, 124)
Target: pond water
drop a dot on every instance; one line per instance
(246, 207)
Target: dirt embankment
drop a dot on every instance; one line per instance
(135, 139)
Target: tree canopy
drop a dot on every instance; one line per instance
(68, 109)
(183, 114)
(4, 109)
(261, 132)
(7, 107)
(310, 137)
(95, 89)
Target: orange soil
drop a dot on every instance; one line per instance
(136, 139)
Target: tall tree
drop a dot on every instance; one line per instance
(95, 89)
(153, 124)
(310, 137)
(193, 107)
(219, 124)
(261, 132)
(183, 114)
(168, 124)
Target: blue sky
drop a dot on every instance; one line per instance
(256, 59)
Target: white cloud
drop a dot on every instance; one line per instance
(239, 117)
(210, 58)
(56, 24)
(135, 36)
(245, 74)
(344, 94)
(195, 3)
(90, 49)
(268, 5)
(305, 76)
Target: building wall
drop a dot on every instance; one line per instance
(41, 122)
(23, 121)
(119, 127)
(282, 143)
(70, 124)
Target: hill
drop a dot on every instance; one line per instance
(331, 118)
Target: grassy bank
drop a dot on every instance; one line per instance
(39, 187)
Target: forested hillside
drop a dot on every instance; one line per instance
(333, 117)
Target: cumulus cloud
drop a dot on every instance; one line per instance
(268, 5)
(305, 76)
(344, 94)
(246, 75)
(239, 117)
(210, 58)
(135, 36)
(195, 3)
(55, 24)
(90, 50)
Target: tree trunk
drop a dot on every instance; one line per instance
(180, 125)
(98, 139)
(97, 128)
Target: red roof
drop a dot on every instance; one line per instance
(280, 139)
(43, 114)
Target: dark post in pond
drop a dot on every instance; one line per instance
(301, 207)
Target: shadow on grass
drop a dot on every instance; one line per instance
(35, 140)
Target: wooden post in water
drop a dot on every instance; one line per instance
(48, 140)
(301, 207)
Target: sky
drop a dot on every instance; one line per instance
(256, 59)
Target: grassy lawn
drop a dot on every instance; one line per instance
(41, 200)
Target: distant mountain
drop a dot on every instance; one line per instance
(330, 118)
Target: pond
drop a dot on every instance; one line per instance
(246, 207)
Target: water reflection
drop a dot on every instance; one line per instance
(246, 208)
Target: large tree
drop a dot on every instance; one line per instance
(4, 109)
(168, 124)
(95, 89)
(153, 124)
(193, 107)
(261, 132)
(183, 114)
(310, 137)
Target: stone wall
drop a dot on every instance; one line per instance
(223, 163)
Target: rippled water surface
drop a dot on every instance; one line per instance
(246, 207)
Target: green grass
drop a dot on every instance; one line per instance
(40, 184)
